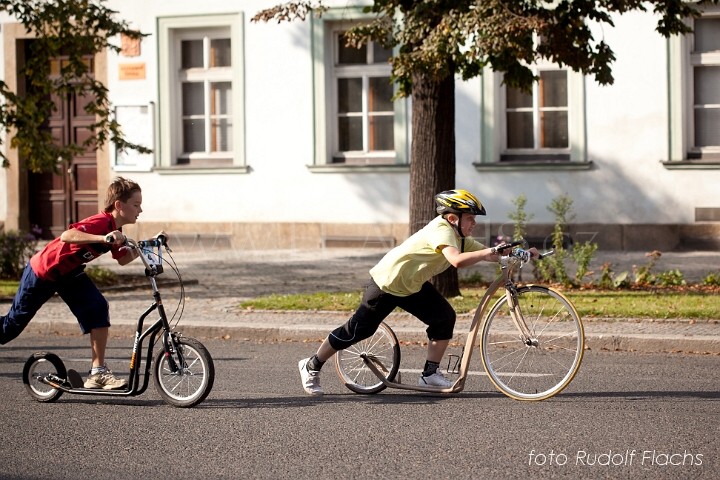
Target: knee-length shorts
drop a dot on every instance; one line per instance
(77, 290)
(428, 305)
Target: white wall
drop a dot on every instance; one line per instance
(626, 139)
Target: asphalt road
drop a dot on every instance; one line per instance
(624, 415)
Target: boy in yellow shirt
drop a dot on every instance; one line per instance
(401, 279)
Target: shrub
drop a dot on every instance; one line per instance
(15, 250)
(102, 277)
(643, 273)
(670, 278)
(582, 254)
(712, 280)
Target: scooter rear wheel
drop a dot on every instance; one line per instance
(44, 365)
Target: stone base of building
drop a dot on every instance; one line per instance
(258, 236)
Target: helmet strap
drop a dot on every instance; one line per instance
(459, 230)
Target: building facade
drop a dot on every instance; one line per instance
(268, 135)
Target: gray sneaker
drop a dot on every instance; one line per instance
(437, 379)
(105, 380)
(310, 379)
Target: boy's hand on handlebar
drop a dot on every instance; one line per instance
(526, 255)
(115, 237)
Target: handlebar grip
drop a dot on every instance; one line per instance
(505, 246)
(159, 241)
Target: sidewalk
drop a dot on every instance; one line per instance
(218, 280)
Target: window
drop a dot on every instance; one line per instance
(357, 124)
(705, 61)
(201, 93)
(363, 107)
(694, 103)
(205, 80)
(542, 129)
(537, 122)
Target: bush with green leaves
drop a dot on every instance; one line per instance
(712, 280)
(102, 277)
(520, 218)
(670, 278)
(16, 248)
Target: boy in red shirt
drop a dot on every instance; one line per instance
(59, 268)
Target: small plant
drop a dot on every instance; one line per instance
(552, 268)
(606, 276)
(520, 218)
(102, 277)
(643, 274)
(712, 280)
(15, 250)
(583, 254)
(670, 278)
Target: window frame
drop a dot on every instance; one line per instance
(325, 102)
(493, 128)
(365, 72)
(682, 151)
(171, 31)
(537, 152)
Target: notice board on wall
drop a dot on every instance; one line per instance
(137, 123)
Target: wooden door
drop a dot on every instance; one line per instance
(57, 200)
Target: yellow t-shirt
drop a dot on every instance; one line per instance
(404, 269)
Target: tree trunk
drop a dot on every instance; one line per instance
(432, 167)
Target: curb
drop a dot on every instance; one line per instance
(641, 343)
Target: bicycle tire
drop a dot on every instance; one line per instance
(39, 365)
(382, 349)
(539, 369)
(192, 383)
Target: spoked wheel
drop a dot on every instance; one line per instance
(192, 381)
(47, 366)
(382, 349)
(541, 366)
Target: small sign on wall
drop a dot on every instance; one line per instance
(131, 71)
(137, 124)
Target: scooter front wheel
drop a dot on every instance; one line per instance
(41, 368)
(188, 384)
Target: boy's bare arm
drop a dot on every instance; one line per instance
(465, 259)
(76, 236)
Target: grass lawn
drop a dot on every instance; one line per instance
(663, 304)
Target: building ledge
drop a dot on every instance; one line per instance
(349, 168)
(531, 166)
(692, 165)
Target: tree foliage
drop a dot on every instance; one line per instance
(447, 37)
(73, 30)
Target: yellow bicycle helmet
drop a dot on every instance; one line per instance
(459, 202)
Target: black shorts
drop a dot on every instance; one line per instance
(428, 305)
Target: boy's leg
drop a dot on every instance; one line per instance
(436, 350)
(98, 342)
(31, 295)
(374, 307)
(93, 314)
(434, 310)
(324, 352)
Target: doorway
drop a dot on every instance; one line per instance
(58, 199)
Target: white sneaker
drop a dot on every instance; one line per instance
(437, 379)
(310, 378)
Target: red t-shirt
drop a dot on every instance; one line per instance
(59, 258)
